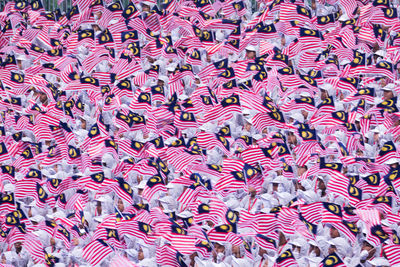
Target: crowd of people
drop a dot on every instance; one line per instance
(200, 133)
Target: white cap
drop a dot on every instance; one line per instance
(100, 218)
(379, 262)
(166, 199)
(305, 93)
(251, 48)
(141, 185)
(338, 241)
(207, 127)
(32, 204)
(132, 252)
(219, 36)
(104, 198)
(389, 87)
(344, 17)
(298, 242)
(26, 139)
(57, 214)
(148, 3)
(326, 86)
(171, 68)
(185, 214)
(298, 117)
(233, 203)
(375, 130)
(380, 53)
(20, 57)
(310, 196)
(163, 78)
(284, 197)
(182, 97)
(392, 161)
(278, 180)
(257, 136)
(9, 187)
(344, 62)
(246, 111)
(170, 185)
(37, 218)
(249, 120)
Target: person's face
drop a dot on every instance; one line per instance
(150, 59)
(98, 207)
(208, 58)
(321, 184)
(334, 232)
(371, 250)
(236, 251)
(219, 248)
(43, 97)
(282, 239)
(250, 54)
(394, 165)
(83, 124)
(376, 137)
(52, 241)
(283, 41)
(247, 126)
(140, 254)
(192, 258)
(317, 251)
(120, 205)
(332, 249)
(275, 187)
(18, 245)
(145, 8)
(324, 94)
(304, 113)
(160, 83)
(387, 95)
(98, 14)
(301, 170)
(298, 186)
(3, 259)
(292, 139)
(261, 252)
(358, 126)
(252, 192)
(295, 248)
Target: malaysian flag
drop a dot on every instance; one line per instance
(286, 259)
(96, 251)
(333, 260)
(155, 185)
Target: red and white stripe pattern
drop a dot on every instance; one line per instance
(96, 251)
